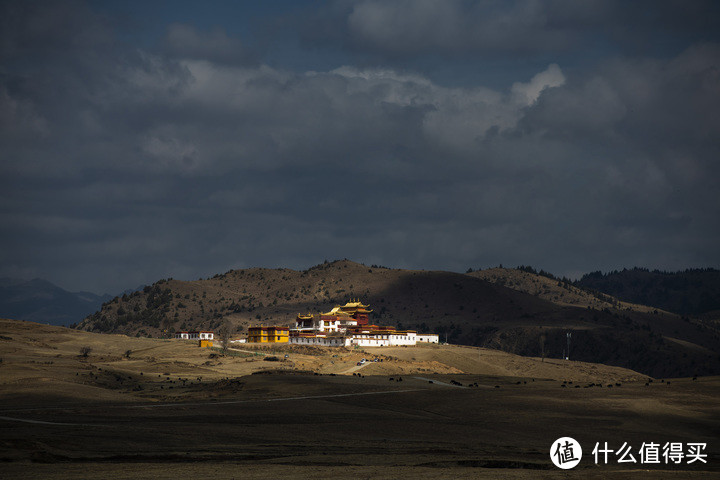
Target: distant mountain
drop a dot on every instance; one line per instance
(40, 301)
(690, 292)
(519, 312)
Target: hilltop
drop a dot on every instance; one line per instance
(462, 308)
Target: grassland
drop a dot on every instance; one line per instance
(148, 408)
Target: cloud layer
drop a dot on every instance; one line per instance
(123, 164)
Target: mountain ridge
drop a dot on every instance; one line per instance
(39, 300)
(687, 292)
(463, 308)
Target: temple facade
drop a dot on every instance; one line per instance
(349, 325)
(339, 319)
(354, 313)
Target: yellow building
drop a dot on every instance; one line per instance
(268, 335)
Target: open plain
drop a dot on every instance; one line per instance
(145, 408)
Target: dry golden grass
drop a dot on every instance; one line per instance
(484, 361)
(112, 417)
(46, 359)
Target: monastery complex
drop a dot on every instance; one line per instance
(347, 325)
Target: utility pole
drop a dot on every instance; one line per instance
(568, 346)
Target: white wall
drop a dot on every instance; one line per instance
(382, 340)
(320, 341)
(366, 340)
(332, 327)
(429, 338)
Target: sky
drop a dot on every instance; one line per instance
(146, 140)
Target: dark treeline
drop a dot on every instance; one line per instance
(688, 292)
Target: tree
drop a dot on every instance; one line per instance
(85, 351)
(224, 336)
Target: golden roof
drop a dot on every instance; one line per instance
(337, 311)
(307, 316)
(355, 304)
(349, 308)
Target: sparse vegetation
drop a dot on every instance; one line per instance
(224, 336)
(477, 308)
(689, 292)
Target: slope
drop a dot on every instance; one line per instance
(463, 309)
(46, 361)
(690, 292)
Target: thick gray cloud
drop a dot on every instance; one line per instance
(122, 165)
(416, 28)
(186, 42)
(408, 26)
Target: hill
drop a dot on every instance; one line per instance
(462, 308)
(690, 292)
(38, 300)
(558, 291)
(43, 360)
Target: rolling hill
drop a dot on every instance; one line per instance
(462, 308)
(44, 360)
(560, 292)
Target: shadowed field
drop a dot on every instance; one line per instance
(288, 423)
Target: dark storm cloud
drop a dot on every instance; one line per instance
(398, 28)
(186, 42)
(123, 164)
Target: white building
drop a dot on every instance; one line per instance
(198, 335)
(308, 323)
(349, 325)
(328, 325)
(388, 338)
(317, 340)
(428, 338)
